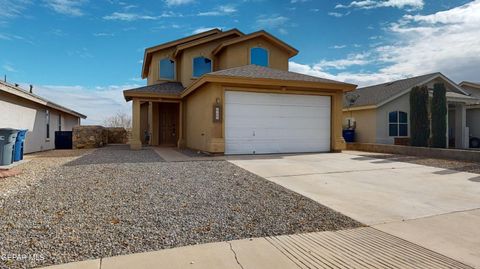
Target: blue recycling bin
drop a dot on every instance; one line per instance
(19, 144)
(349, 135)
(8, 137)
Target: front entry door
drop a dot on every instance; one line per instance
(168, 124)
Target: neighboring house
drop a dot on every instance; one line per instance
(473, 111)
(230, 92)
(20, 109)
(382, 111)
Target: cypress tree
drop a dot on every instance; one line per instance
(439, 116)
(419, 123)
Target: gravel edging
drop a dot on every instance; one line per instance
(461, 166)
(95, 206)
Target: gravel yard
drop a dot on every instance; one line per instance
(114, 201)
(462, 166)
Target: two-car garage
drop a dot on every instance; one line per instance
(260, 123)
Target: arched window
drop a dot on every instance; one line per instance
(397, 123)
(259, 56)
(201, 66)
(167, 69)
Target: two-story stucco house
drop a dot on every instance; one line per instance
(230, 92)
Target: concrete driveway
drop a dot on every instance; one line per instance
(433, 207)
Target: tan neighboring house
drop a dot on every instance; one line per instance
(20, 109)
(473, 111)
(230, 92)
(382, 112)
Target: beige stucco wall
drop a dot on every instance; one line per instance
(366, 123)
(202, 133)
(19, 113)
(239, 54)
(232, 56)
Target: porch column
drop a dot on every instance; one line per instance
(135, 142)
(461, 126)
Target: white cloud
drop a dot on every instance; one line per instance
(369, 4)
(12, 8)
(125, 16)
(351, 60)
(204, 29)
(219, 11)
(335, 14)
(445, 41)
(96, 103)
(9, 68)
(298, 1)
(338, 46)
(67, 7)
(103, 34)
(178, 2)
(276, 22)
(361, 79)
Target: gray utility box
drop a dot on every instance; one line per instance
(7, 145)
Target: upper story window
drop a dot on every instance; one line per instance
(167, 69)
(259, 56)
(201, 66)
(397, 123)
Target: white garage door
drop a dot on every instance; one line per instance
(257, 123)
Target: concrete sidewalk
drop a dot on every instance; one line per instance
(356, 248)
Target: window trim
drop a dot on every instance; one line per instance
(193, 65)
(398, 123)
(47, 124)
(174, 69)
(258, 47)
(59, 122)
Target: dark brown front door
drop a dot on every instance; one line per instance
(168, 124)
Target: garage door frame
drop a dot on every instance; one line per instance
(283, 92)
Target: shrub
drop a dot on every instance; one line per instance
(439, 116)
(419, 123)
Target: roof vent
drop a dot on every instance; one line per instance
(31, 88)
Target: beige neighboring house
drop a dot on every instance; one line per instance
(473, 111)
(382, 111)
(20, 109)
(231, 93)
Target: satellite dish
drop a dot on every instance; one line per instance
(352, 97)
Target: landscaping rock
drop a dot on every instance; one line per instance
(113, 201)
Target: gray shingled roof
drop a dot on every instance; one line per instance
(171, 88)
(255, 71)
(376, 94)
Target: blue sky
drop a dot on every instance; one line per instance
(83, 53)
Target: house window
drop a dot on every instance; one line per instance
(259, 56)
(59, 122)
(397, 123)
(47, 120)
(201, 66)
(167, 69)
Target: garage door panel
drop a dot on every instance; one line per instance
(276, 123)
(241, 110)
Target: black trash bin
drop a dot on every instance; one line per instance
(8, 137)
(63, 140)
